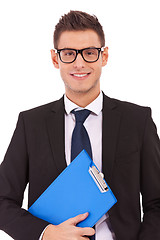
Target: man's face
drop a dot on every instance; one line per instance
(80, 77)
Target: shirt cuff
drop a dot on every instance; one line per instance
(43, 232)
(102, 219)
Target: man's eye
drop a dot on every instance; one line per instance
(90, 52)
(70, 53)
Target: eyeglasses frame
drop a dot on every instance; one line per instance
(81, 52)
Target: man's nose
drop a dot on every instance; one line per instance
(79, 62)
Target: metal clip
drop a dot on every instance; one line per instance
(98, 177)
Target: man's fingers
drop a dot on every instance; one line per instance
(77, 219)
(80, 231)
(88, 231)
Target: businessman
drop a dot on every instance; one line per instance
(123, 141)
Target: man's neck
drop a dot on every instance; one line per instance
(83, 99)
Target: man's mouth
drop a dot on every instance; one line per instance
(80, 75)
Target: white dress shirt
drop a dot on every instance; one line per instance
(93, 125)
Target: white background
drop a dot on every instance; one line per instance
(28, 78)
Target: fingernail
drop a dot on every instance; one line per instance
(86, 214)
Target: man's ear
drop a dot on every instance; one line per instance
(54, 58)
(105, 56)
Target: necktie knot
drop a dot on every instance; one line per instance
(81, 115)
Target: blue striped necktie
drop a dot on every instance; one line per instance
(80, 138)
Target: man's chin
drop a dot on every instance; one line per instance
(82, 89)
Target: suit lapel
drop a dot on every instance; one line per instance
(55, 127)
(110, 127)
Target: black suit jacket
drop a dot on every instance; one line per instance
(131, 164)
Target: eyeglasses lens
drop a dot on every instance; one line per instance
(90, 55)
(68, 55)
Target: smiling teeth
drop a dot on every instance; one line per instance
(80, 75)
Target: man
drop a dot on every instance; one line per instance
(123, 137)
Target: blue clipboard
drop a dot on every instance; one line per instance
(78, 189)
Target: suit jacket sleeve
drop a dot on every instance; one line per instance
(150, 182)
(14, 176)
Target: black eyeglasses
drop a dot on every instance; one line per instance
(69, 55)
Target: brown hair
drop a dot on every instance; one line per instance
(76, 21)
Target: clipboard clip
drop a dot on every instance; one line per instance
(98, 177)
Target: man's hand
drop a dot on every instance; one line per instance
(68, 230)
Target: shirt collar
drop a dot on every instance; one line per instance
(95, 106)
